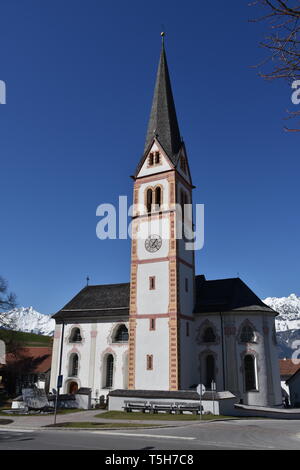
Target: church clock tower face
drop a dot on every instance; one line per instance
(153, 243)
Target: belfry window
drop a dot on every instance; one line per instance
(109, 371)
(157, 158)
(149, 200)
(247, 334)
(250, 373)
(157, 197)
(208, 335)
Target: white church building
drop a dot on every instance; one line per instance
(166, 330)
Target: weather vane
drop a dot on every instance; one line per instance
(87, 280)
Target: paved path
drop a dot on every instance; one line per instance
(39, 421)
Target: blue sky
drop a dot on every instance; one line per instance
(80, 78)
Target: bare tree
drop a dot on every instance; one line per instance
(282, 42)
(7, 302)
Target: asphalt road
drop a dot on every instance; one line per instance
(239, 435)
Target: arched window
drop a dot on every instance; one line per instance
(73, 365)
(208, 335)
(75, 336)
(157, 197)
(121, 335)
(247, 334)
(250, 374)
(149, 200)
(109, 371)
(210, 370)
(157, 158)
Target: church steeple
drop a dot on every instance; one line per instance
(163, 122)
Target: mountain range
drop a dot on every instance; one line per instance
(287, 323)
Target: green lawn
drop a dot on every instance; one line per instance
(86, 424)
(137, 415)
(25, 339)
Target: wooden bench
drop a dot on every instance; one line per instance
(192, 407)
(157, 406)
(136, 405)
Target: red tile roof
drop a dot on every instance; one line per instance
(287, 367)
(40, 358)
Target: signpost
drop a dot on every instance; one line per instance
(200, 390)
(213, 389)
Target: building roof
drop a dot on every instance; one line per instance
(108, 300)
(223, 295)
(32, 359)
(163, 122)
(111, 301)
(288, 368)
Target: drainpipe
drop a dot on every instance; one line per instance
(223, 351)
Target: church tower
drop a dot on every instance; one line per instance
(162, 268)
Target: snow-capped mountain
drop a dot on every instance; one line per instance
(29, 320)
(287, 322)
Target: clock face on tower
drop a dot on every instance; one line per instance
(153, 243)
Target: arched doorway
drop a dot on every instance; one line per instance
(73, 388)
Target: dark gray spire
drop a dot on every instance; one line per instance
(163, 120)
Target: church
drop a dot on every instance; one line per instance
(168, 329)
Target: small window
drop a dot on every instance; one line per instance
(151, 159)
(152, 324)
(186, 284)
(187, 327)
(149, 362)
(247, 334)
(121, 335)
(157, 158)
(209, 335)
(152, 282)
(75, 336)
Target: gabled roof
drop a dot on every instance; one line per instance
(223, 295)
(163, 124)
(111, 301)
(97, 301)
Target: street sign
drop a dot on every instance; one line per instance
(59, 381)
(201, 389)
